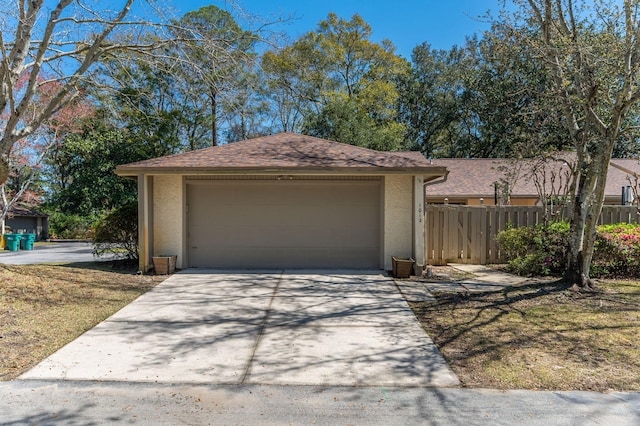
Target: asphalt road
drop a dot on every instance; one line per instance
(95, 403)
(51, 253)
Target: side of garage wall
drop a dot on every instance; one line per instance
(398, 217)
(168, 212)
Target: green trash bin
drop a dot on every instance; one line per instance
(13, 241)
(27, 241)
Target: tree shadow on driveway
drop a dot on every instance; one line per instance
(267, 328)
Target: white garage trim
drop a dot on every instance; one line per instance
(275, 177)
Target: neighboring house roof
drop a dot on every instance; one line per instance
(285, 152)
(21, 211)
(475, 178)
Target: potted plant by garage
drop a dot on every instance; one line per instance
(164, 265)
(402, 266)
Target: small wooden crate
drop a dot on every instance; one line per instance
(164, 265)
(402, 267)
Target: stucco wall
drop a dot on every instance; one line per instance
(168, 217)
(398, 217)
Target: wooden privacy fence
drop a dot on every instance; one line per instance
(467, 234)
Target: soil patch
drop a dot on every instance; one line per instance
(540, 335)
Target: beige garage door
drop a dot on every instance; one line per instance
(284, 224)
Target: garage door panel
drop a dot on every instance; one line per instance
(289, 258)
(284, 224)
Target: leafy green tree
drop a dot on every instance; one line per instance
(154, 102)
(430, 101)
(590, 50)
(336, 83)
(288, 91)
(485, 99)
(81, 171)
(180, 99)
(507, 111)
(144, 105)
(343, 119)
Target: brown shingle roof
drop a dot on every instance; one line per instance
(472, 178)
(476, 178)
(284, 152)
(21, 211)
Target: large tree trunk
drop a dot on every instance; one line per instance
(586, 211)
(580, 257)
(577, 273)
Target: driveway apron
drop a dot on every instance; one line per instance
(286, 327)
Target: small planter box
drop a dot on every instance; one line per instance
(402, 267)
(164, 265)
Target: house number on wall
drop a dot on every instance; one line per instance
(419, 182)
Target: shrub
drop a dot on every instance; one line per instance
(535, 250)
(617, 251)
(71, 226)
(117, 233)
(540, 250)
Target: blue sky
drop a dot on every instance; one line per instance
(407, 23)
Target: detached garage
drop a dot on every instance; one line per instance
(282, 201)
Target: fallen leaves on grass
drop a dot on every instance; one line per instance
(44, 307)
(540, 336)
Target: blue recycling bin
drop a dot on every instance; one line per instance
(27, 241)
(13, 241)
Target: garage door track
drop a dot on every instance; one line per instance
(287, 327)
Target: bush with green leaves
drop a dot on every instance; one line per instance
(117, 233)
(542, 250)
(535, 250)
(68, 226)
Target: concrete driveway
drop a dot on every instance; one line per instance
(287, 328)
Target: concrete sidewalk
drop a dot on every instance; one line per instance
(484, 279)
(484, 275)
